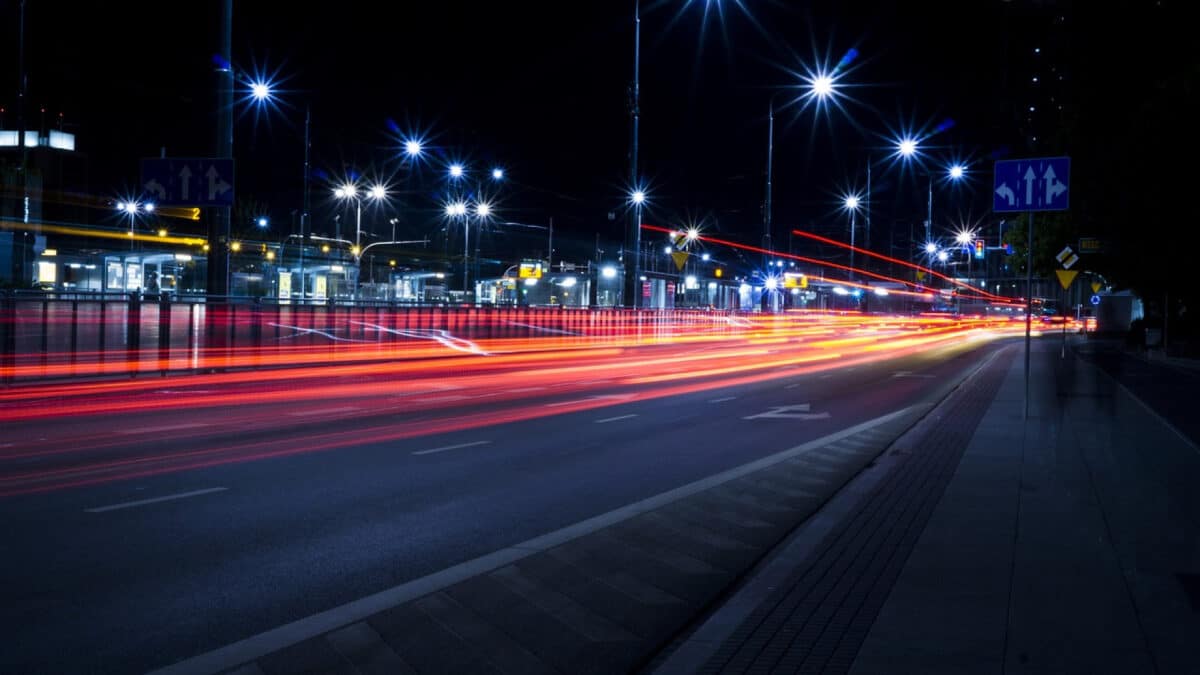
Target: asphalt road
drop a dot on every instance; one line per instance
(103, 574)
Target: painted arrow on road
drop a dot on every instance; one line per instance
(794, 412)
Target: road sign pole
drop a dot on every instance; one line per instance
(1028, 305)
(1066, 299)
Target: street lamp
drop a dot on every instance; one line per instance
(637, 197)
(459, 210)
(850, 203)
(820, 86)
(350, 191)
(132, 209)
(376, 192)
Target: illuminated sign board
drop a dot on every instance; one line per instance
(530, 270)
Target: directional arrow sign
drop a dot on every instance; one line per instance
(155, 189)
(188, 181)
(795, 412)
(1038, 184)
(216, 186)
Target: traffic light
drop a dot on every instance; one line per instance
(978, 249)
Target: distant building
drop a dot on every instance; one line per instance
(53, 191)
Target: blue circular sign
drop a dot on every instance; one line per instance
(1095, 299)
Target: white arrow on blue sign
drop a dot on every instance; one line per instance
(188, 181)
(1037, 184)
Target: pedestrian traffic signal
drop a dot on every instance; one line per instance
(978, 249)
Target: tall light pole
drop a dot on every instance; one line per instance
(850, 203)
(304, 208)
(459, 210)
(132, 209)
(262, 93)
(482, 211)
(350, 191)
(636, 198)
(906, 148)
(497, 176)
(633, 236)
(819, 86)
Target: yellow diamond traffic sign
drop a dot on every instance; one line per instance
(1096, 286)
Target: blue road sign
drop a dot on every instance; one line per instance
(1095, 299)
(1037, 184)
(188, 181)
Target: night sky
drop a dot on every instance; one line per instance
(541, 89)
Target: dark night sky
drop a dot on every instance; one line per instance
(541, 89)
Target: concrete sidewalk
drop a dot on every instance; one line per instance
(1065, 543)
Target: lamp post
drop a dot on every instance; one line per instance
(459, 210)
(820, 86)
(850, 203)
(482, 211)
(132, 209)
(376, 192)
(633, 237)
(636, 198)
(497, 176)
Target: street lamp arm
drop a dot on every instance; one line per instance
(380, 243)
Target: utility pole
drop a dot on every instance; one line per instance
(219, 222)
(305, 194)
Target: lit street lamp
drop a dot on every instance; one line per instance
(350, 191)
(459, 210)
(637, 198)
(132, 209)
(820, 86)
(850, 203)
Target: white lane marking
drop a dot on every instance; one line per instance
(606, 420)
(325, 411)
(438, 399)
(722, 400)
(525, 389)
(450, 447)
(792, 386)
(7, 445)
(433, 388)
(799, 411)
(256, 646)
(165, 427)
(186, 391)
(155, 500)
(544, 330)
(826, 376)
(590, 399)
(909, 373)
